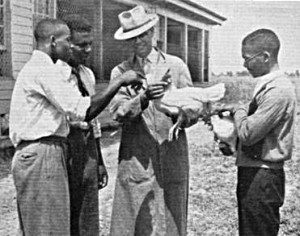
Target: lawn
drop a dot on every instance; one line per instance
(212, 200)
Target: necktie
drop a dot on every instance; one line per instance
(82, 89)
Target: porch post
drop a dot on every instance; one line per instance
(185, 43)
(98, 42)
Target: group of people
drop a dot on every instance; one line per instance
(58, 167)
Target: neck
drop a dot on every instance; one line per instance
(275, 67)
(73, 64)
(45, 49)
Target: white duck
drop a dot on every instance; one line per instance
(174, 99)
(225, 133)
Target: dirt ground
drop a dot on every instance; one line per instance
(212, 201)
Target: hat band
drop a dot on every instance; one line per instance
(127, 30)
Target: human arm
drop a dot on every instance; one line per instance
(270, 112)
(100, 100)
(129, 102)
(102, 172)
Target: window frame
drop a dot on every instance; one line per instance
(2, 26)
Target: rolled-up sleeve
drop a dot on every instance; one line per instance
(124, 106)
(64, 95)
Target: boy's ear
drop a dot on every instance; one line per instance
(267, 56)
(53, 40)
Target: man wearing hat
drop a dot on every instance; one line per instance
(151, 190)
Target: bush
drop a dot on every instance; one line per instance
(238, 89)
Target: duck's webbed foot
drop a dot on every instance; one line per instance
(174, 130)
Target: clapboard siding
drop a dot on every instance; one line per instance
(21, 9)
(22, 47)
(22, 33)
(19, 38)
(18, 66)
(17, 19)
(21, 56)
(22, 29)
(25, 4)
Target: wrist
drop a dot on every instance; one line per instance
(118, 81)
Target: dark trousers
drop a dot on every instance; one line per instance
(83, 179)
(260, 194)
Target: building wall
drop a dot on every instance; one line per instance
(21, 33)
(172, 32)
(114, 51)
(5, 50)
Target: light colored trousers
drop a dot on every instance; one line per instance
(41, 180)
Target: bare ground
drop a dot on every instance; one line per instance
(212, 202)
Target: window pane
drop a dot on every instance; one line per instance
(1, 16)
(1, 36)
(47, 7)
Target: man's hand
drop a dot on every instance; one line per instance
(131, 77)
(219, 108)
(102, 176)
(155, 91)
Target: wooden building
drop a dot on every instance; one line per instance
(184, 30)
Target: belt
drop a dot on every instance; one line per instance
(47, 139)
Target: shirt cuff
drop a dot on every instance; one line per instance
(240, 112)
(82, 107)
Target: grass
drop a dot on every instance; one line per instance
(212, 198)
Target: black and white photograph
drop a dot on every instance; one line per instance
(149, 118)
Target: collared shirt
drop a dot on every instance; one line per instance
(272, 122)
(42, 99)
(263, 80)
(89, 82)
(126, 105)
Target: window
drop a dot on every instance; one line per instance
(43, 9)
(2, 16)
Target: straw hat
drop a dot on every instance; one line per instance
(135, 22)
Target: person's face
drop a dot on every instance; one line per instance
(81, 47)
(255, 60)
(62, 44)
(142, 44)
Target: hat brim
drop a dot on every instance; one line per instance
(121, 35)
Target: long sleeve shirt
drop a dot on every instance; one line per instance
(88, 80)
(271, 125)
(126, 105)
(42, 99)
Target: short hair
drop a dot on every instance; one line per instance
(77, 23)
(47, 27)
(265, 40)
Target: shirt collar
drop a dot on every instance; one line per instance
(42, 58)
(265, 79)
(64, 67)
(152, 57)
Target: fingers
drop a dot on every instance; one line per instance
(102, 177)
(140, 74)
(103, 181)
(131, 78)
(155, 91)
